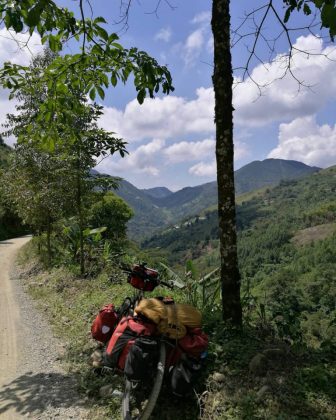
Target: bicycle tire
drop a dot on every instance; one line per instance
(149, 407)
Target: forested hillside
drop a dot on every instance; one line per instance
(148, 217)
(157, 192)
(155, 208)
(269, 172)
(10, 224)
(4, 153)
(287, 252)
(262, 216)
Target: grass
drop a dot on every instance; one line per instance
(315, 233)
(298, 384)
(71, 303)
(239, 199)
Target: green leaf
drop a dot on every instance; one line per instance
(319, 3)
(62, 88)
(48, 116)
(141, 96)
(8, 20)
(17, 24)
(52, 43)
(287, 15)
(92, 94)
(114, 80)
(99, 19)
(105, 80)
(101, 92)
(113, 37)
(34, 16)
(306, 9)
(102, 33)
(117, 45)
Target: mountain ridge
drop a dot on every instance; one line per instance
(153, 213)
(304, 203)
(157, 192)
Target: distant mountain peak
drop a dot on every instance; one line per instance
(158, 207)
(261, 173)
(157, 192)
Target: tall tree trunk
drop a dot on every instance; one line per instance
(80, 217)
(38, 234)
(222, 81)
(48, 241)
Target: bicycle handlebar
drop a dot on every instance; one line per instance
(170, 286)
(137, 273)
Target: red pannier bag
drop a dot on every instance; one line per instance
(143, 278)
(123, 338)
(193, 344)
(104, 323)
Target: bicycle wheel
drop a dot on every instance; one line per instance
(145, 411)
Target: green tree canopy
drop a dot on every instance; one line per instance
(102, 61)
(113, 213)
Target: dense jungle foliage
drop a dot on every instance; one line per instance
(10, 224)
(287, 254)
(286, 239)
(153, 212)
(281, 364)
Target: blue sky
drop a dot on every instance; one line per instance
(171, 139)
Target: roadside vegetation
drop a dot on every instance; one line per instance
(278, 361)
(280, 365)
(10, 223)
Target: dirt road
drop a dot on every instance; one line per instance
(32, 382)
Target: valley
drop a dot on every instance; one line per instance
(156, 210)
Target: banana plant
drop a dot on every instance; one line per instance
(72, 234)
(202, 292)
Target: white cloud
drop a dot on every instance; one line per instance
(18, 48)
(164, 34)
(193, 47)
(306, 141)
(282, 99)
(204, 169)
(142, 160)
(187, 151)
(173, 116)
(210, 45)
(202, 18)
(208, 168)
(162, 117)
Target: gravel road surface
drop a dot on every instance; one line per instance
(33, 384)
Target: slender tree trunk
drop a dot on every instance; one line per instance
(38, 234)
(48, 229)
(80, 222)
(222, 81)
(48, 241)
(80, 214)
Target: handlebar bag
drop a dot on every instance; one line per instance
(143, 278)
(104, 323)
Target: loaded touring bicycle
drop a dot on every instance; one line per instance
(147, 340)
